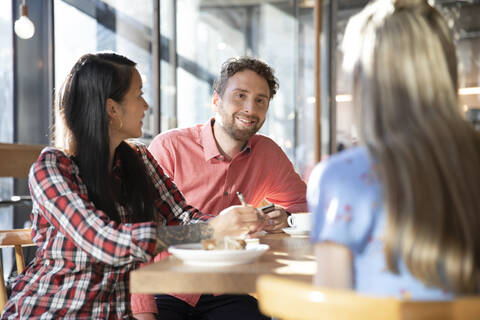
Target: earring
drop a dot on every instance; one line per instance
(121, 124)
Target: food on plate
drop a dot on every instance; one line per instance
(226, 244)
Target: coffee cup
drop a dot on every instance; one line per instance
(300, 221)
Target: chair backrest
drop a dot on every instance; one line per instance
(294, 300)
(15, 162)
(17, 239)
(16, 159)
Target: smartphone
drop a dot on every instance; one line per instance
(268, 208)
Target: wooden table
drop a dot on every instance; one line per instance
(289, 257)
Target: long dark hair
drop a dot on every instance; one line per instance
(81, 110)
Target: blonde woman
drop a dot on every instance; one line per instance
(399, 215)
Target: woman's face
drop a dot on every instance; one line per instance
(131, 111)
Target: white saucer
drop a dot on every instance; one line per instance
(295, 231)
(193, 254)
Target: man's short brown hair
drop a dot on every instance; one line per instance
(234, 65)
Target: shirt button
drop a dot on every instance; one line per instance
(225, 193)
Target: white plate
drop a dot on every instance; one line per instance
(193, 254)
(295, 231)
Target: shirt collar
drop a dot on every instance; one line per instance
(210, 148)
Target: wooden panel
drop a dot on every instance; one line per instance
(463, 308)
(16, 159)
(15, 237)
(3, 290)
(15, 162)
(20, 259)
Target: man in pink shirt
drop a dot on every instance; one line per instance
(210, 162)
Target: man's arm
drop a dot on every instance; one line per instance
(285, 186)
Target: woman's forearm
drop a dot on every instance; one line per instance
(171, 235)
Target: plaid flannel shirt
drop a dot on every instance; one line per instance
(82, 264)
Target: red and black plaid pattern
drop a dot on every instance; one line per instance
(81, 267)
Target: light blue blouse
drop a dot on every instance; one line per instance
(345, 198)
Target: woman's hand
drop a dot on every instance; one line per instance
(236, 221)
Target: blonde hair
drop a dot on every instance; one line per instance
(403, 60)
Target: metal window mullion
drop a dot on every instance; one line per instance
(156, 69)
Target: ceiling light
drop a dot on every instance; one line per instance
(343, 98)
(24, 27)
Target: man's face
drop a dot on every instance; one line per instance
(242, 110)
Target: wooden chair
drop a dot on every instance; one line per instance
(15, 162)
(17, 239)
(294, 300)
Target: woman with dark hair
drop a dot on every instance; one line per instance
(101, 205)
(403, 208)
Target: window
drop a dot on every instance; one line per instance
(209, 32)
(6, 72)
(6, 116)
(463, 18)
(107, 25)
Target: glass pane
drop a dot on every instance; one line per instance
(6, 117)
(167, 65)
(305, 142)
(278, 29)
(463, 18)
(6, 72)
(210, 32)
(109, 25)
(197, 99)
(346, 135)
(135, 11)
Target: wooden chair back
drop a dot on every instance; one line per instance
(16, 159)
(17, 239)
(293, 300)
(15, 162)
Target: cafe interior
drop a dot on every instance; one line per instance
(179, 46)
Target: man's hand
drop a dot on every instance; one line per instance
(236, 221)
(275, 220)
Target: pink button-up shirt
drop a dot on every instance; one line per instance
(209, 182)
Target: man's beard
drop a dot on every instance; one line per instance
(228, 123)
